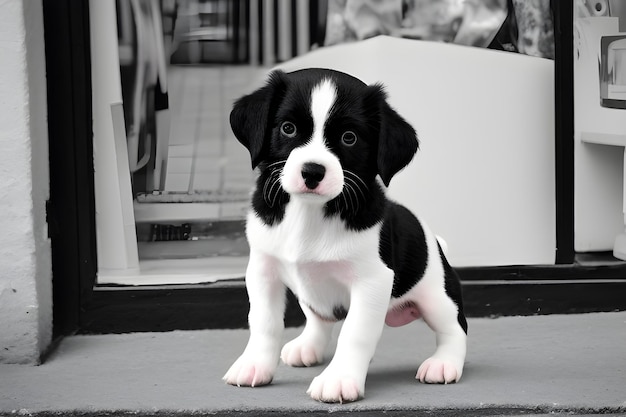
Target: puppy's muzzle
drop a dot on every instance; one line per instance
(312, 174)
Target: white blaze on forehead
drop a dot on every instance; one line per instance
(323, 97)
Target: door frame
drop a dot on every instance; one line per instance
(78, 306)
(70, 209)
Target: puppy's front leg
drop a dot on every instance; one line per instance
(344, 378)
(258, 362)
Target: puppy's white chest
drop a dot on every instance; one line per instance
(306, 236)
(314, 255)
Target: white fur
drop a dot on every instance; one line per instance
(327, 266)
(322, 99)
(331, 267)
(293, 183)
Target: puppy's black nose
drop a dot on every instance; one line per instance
(312, 174)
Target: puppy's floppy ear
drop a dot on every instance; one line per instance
(252, 116)
(397, 140)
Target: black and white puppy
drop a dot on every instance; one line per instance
(320, 224)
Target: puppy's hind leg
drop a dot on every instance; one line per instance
(442, 309)
(308, 348)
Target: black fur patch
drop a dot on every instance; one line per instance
(452, 285)
(403, 248)
(371, 207)
(269, 199)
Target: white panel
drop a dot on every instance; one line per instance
(129, 234)
(111, 203)
(484, 177)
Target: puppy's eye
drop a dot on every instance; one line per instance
(288, 129)
(348, 138)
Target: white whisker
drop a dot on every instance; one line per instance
(270, 191)
(355, 185)
(355, 176)
(345, 200)
(276, 163)
(265, 187)
(350, 191)
(275, 193)
(265, 193)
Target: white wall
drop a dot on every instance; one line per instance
(25, 267)
(484, 176)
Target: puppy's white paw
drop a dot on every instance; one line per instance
(247, 372)
(302, 352)
(439, 371)
(330, 388)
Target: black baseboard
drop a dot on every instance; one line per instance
(592, 284)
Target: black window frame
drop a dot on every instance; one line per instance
(71, 207)
(81, 307)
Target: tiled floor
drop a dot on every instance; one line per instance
(207, 168)
(205, 161)
(203, 152)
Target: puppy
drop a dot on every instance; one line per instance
(320, 225)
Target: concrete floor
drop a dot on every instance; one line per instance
(561, 364)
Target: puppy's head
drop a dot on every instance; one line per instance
(317, 133)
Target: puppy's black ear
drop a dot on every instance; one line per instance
(397, 140)
(252, 116)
